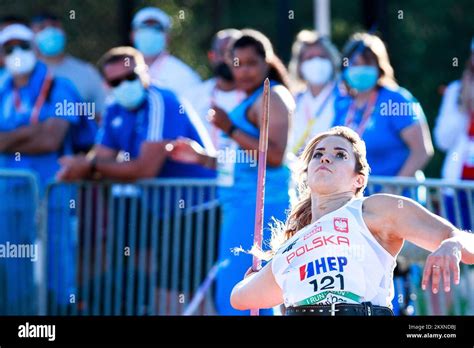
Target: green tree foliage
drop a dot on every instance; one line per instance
(425, 38)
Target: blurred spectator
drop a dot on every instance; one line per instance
(136, 127)
(132, 140)
(314, 67)
(150, 27)
(220, 89)
(454, 130)
(236, 159)
(454, 133)
(50, 42)
(5, 21)
(387, 117)
(32, 131)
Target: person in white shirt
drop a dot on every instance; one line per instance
(220, 89)
(314, 69)
(150, 27)
(455, 116)
(454, 134)
(336, 253)
(50, 41)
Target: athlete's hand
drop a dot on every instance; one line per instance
(441, 263)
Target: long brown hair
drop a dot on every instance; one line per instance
(300, 215)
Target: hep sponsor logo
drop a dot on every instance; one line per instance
(341, 225)
(322, 265)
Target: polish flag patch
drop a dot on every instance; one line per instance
(341, 225)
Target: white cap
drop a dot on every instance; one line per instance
(148, 13)
(16, 32)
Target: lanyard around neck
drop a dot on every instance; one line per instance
(368, 111)
(317, 114)
(310, 120)
(45, 86)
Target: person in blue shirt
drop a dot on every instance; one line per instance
(386, 116)
(33, 131)
(33, 135)
(131, 144)
(139, 124)
(254, 60)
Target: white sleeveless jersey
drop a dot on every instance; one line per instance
(335, 260)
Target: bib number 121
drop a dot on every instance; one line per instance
(327, 283)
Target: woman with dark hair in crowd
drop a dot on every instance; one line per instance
(386, 116)
(252, 61)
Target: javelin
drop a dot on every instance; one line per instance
(262, 163)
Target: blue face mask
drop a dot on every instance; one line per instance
(149, 41)
(361, 78)
(129, 94)
(50, 41)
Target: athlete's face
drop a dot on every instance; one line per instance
(332, 167)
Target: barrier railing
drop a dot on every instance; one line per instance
(453, 201)
(130, 249)
(19, 244)
(144, 248)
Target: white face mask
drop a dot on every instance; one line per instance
(20, 61)
(317, 71)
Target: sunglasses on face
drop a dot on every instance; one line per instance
(130, 77)
(8, 49)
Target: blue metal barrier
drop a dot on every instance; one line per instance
(19, 244)
(129, 249)
(144, 248)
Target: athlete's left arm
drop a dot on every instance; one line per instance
(257, 290)
(407, 219)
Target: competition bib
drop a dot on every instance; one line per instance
(331, 261)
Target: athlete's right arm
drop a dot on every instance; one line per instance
(258, 290)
